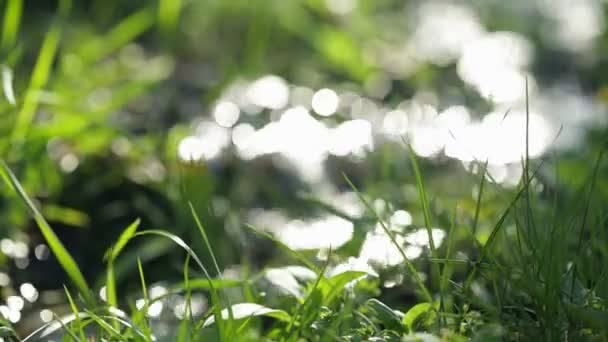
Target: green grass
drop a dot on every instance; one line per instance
(537, 287)
(514, 265)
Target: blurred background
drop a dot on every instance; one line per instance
(254, 110)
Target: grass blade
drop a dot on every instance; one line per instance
(479, 197)
(295, 254)
(215, 298)
(201, 230)
(184, 326)
(61, 253)
(423, 200)
(74, 309)
(124, 238)
(123, 33)
(168, 15)
(12, 20)
(40, 76)
(144, 290)
(391, 235)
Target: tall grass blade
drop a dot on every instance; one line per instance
(123, 33)
(111, 296)
(124, 238)
(40, 76)
(479, 197)
(295, 254)
(76, 313)
(425, 292)
(201, 230)
(114, 332)
(445, 272)
(122, 241)
(215, 298)
(61, 253)
(67, 330)
(168, 15)
(495, 230)
(423, 201)
(11, 22)
(144, 290)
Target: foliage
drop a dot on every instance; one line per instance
(98, 98)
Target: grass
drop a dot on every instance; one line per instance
(538, 287)
(536, 271)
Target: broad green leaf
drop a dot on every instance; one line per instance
(61, 253)
(246, 310)
(332, 287)
(419, 313)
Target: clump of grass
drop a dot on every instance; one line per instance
(539, 273)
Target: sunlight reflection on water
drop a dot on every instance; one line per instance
(308, 127)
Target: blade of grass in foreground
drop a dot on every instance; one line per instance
(74, 309)
(184, 331)
(295, 254)
(12, 20)
(120, 35)
(447, 267)
(425, 207)
(61, 253)
(389, 233)
(40, 76)
(201, 230)
(168, 15)
(423, 201)
(215, 298)
(122, 241)
(496, 229)
(144, 290)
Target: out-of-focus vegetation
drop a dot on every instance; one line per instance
(303, 170)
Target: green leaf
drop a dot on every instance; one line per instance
(246, 310)
(419, 314)
(390, 318)
(61, 253)
(332, 287)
